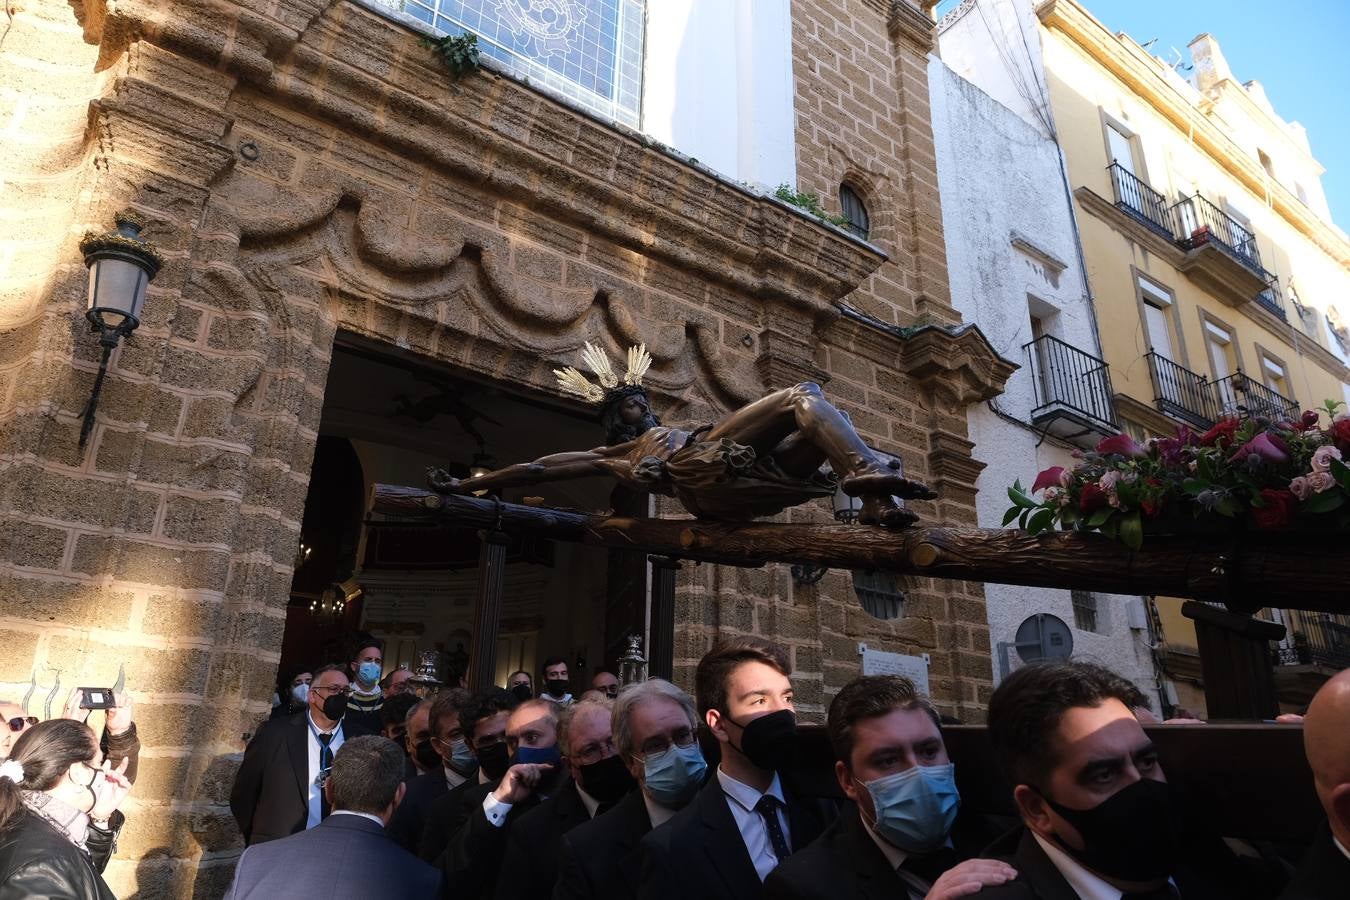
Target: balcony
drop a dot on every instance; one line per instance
(1239, 395)
(1135, 197)
(1073, 391)
(1317, 648)
(1181, 393)
(1221, 253)
(1272, 300)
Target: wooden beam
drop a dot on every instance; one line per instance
(1293, 571)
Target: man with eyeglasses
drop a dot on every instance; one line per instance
(290, 751)
(655, 736)
(599, 781)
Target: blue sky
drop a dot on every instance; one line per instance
(1298, 51)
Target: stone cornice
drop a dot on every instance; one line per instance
(1138, 75)
(639, 195)
(909, 24)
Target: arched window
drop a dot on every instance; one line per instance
(854, 211)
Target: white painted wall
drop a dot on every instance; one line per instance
(1011, 245)
(718, 85)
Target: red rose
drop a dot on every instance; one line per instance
(1122, 444)
(1308, 420)
(1091, 499)
(1055, 476)
(1340, 435)
(1278, 509)
(1224, 429)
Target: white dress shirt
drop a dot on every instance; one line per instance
(351, 812)
(1340, 847)
(452, 778)
(314, 748)
(1084, 883)
(659, 814)
(741, 798)
(587, 800)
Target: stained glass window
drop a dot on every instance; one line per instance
(590, 51)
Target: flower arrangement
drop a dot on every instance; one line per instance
(1264, 471)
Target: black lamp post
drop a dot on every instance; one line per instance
(120, 268)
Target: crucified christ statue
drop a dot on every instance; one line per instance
(755, 461)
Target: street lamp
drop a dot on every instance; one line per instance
(121, 266)
(846, 510)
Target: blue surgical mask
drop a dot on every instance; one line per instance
(673, 777)
(537, 755)
(462, 759)
(915, 809)
(368, 672)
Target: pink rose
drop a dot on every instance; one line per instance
(1321, 461)
(1265, 445)
(1321, 481)
(1300, 488)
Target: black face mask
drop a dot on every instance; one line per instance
(557, 686)
(607, 780)
(1131, 836)
(494, 760)
(770, 741)
(522, 691)
(426, 755)
(335, 706)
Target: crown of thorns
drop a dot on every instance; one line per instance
(574, 382)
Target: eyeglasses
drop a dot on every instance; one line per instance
(660, 743)
(18, 723)
(593, 753)
(345, 691)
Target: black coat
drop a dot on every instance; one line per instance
(601, 859)
(700, 852)
(1323, 873)
(446, 813)
(36, 860)
(473, 857)
(842, 862)
(1038, 879)
(270, 797)
(530, 864)
(406, 825)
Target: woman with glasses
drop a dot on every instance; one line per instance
(54, 790)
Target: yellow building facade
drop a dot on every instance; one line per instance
(1218, 278)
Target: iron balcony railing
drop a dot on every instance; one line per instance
(1239, 395)
(1068, 378)
(1200, 222)
(1181, 393)
(1272, 299)
(1319, 639)
(1141, 201)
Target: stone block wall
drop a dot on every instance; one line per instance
(310, 171)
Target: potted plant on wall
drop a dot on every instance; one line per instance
(1200, 236)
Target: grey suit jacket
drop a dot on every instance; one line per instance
(342, 858)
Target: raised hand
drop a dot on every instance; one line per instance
(520, 781)
(111, 792)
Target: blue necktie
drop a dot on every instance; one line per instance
(325, 763)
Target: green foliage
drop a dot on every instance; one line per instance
(808, 202)
(459, 52)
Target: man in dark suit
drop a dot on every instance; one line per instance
(1099, 817)
(278, 788)
(1325, 870)
(655, 729)
(473, 857)
(599, 780)
(454, 765)
(483, 718)
(745, 821)
(348, 855)
(898, 838)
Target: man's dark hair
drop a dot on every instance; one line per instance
(362, 642)
(366, 773)
(449, 702)
(396, 708)
(868, 697)
(554, 661)
(710, 678)
(485, 705)
(617, 431)
(1025, 711)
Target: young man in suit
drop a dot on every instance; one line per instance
(454, 764)
(745, 821)
(898, 839)
(348, 856)
(473, 856)
(1325, 870)
(655, 733)
(278, 788)
(599, 780)
(1100, 820)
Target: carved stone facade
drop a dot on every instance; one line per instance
(309, 168)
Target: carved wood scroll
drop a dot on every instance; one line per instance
(1288, 571)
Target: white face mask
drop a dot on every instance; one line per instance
(301, 693)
